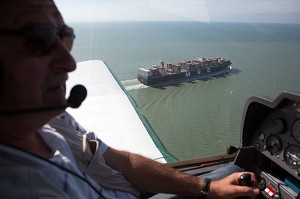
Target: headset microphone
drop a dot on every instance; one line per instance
(77, 96)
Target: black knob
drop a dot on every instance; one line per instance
(245, 179)
(231, 149)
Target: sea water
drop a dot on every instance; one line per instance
(198, 118)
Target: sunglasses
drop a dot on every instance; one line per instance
(41, 38)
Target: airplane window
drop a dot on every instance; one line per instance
(200, 115)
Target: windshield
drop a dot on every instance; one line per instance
(194, 118)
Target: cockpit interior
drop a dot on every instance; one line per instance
(270, 142)
(270, 146)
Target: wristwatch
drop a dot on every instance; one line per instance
(204, 191)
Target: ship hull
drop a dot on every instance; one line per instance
(184, 76)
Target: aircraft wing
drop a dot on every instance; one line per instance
(108, 112)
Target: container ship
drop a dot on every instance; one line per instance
(199, 68)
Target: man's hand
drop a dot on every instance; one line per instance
(228, 188)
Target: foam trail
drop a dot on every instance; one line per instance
(133, 84)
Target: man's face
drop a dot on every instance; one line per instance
(31, 77)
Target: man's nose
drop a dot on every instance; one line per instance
(63, 58)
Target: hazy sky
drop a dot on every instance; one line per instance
(280, 11)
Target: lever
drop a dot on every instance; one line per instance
(245, 180)
(233, 149)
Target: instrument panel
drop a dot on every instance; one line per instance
(278, 138)
(270, 144)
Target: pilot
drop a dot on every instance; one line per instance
(36, 160)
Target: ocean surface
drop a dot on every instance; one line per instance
(198, 118)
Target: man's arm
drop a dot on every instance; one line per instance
(151, 176)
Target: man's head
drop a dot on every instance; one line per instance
(34, 57)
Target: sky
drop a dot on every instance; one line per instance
(250, 11)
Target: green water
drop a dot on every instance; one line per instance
(202, 117)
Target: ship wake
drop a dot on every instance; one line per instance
(133, 84)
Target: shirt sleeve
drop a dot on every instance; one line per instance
(76, 126)
(103, 147)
